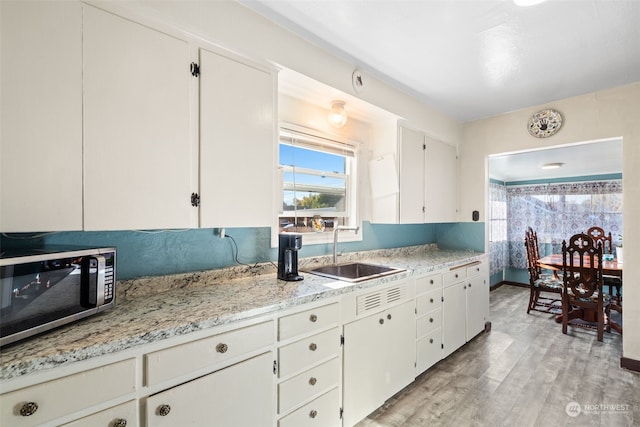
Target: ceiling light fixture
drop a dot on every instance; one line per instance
(552, 165)
(337, 115)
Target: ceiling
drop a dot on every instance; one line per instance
(475, 59)
(596, 158)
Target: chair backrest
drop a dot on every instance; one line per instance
(531, 249)
(598, 235)
(582, 266)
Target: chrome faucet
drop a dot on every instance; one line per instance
(335, 239)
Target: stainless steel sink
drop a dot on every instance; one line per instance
(354, 272)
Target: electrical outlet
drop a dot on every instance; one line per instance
(219, 232)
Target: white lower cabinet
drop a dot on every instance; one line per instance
(43, 403)
(465, 305)
(124, 415)
(238, 396)
(428, 321)
(379, 359)
(309, 367)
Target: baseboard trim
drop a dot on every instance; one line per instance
(630, 364)
(507, 282)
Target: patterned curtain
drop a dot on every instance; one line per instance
(498, 244)
(558, 211)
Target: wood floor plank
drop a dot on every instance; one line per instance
(524, 372)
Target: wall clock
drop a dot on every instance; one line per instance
(545, 123)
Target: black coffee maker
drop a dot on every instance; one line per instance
(289, 244)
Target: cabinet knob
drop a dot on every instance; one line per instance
(313, 413)
(430, 340)
(456, 275)
(388, 317)
(431, 300)
(28, 409)
(381, 321)
(119, 422)
(431, 281)
(464, 287)
(469, 284)
(222, 348)
(431, 319)
(313, 380)
(313, 346)
(313, 318)
(163, 410)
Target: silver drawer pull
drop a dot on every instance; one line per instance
(313, 318)
(28, 409)
(313, 413)
(120, 422)
(163, 410)
(313, 381)
(222, 348)
(313, 346)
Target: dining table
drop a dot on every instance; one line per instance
(610, 267)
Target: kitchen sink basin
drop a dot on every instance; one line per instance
(354, 272)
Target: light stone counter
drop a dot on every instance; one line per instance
(155, 308)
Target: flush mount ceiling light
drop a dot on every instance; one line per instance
(337, 115)
(552, 165)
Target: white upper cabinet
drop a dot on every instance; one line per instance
(237, 142)
(41, 116)
(140, 161)
(427, 178)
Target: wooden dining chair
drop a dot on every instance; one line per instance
(612, 282)
(582, 294)
(541, 285)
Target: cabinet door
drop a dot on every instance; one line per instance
(140, 160)
(453, 317)
(440, 181)
(237, 143)
(379, 359)
(411, 171)
(41, 116)
(477, 305)
(240, 395)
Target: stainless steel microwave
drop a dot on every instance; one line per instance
(44, 288)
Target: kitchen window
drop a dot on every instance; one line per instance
(317, 183)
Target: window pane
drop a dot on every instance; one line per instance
(311, 159)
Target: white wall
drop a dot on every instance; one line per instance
(601, 115)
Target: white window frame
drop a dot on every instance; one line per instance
(351, 212)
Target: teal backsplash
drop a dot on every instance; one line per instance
(153, 253)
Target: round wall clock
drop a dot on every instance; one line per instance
(545, 123)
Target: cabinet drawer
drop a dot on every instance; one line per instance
(428, 351)
(476, 269)
(163, 365)
(66, 395)
(308, 321)
(428, 283)
(321, 412)
(428, 302)
(314, 381)
(307, 351)
(429, 323)
(454, 276)
(127, 412)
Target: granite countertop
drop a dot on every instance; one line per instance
(154, 308)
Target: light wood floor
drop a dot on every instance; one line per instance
(523, 373)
